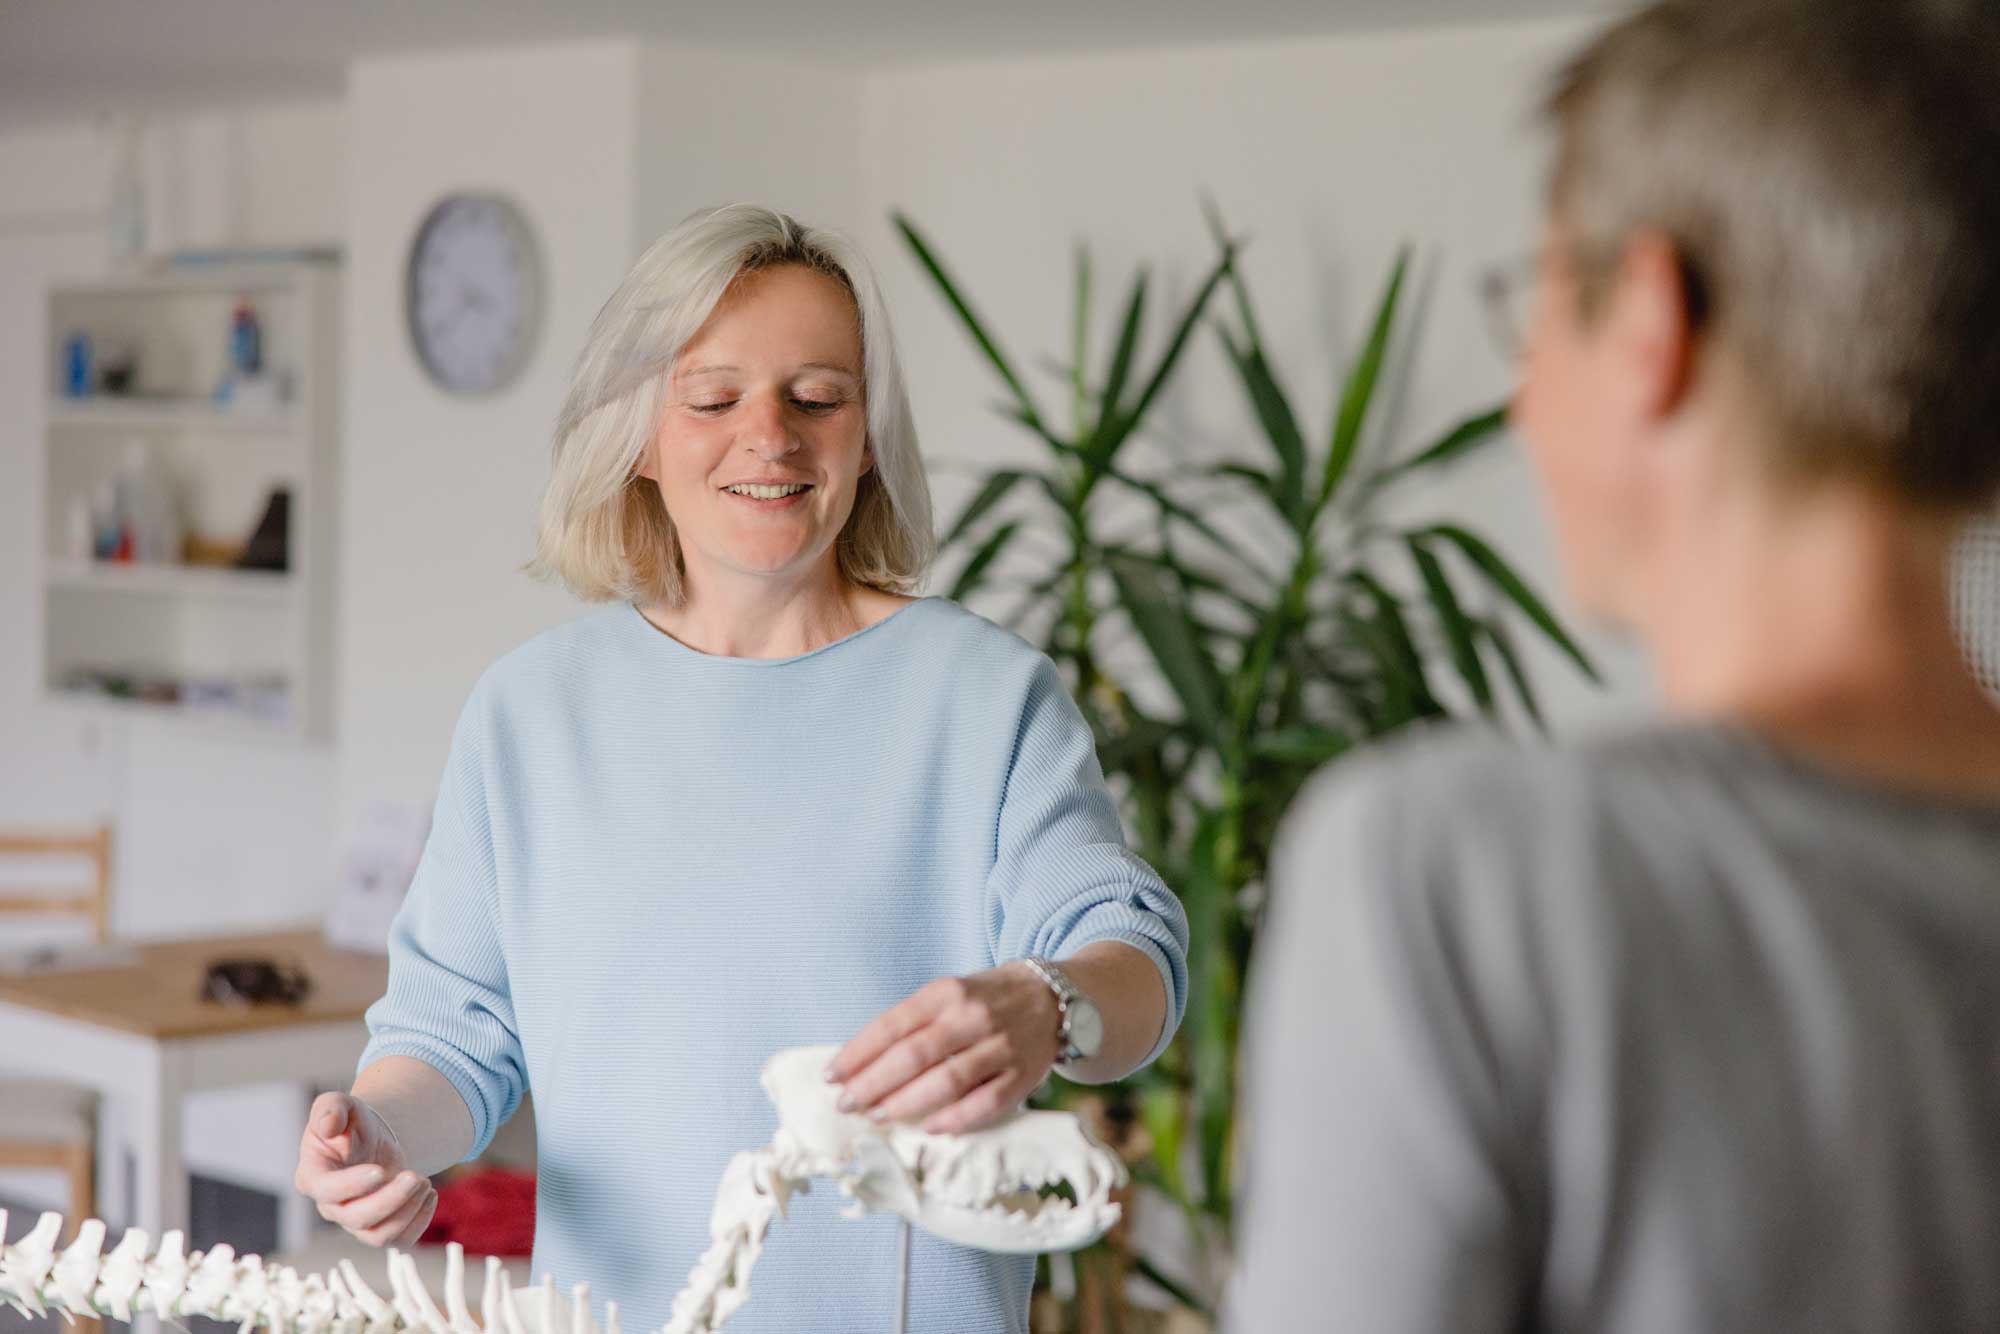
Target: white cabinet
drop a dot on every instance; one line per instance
(190, 637)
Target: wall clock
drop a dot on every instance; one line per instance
(472, 292)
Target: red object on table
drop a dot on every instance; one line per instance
(489, 1212)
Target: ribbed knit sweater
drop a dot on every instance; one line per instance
(650, 868)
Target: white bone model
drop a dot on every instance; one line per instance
(982, 1190)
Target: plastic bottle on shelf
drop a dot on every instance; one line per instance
(105, 520)
(246, 340)
(151, 517)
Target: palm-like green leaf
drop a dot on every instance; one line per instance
(1275, 415)
(994, 490)
(1175, 642)
(973, 325)
(1305, 744)
(1128, 342)
(1502, 641)
(1400, 662)
(988, 551)
(1110, 432)
(1079, 343)
(1462, 438)
(1503, 577)
(1359, 390)
(1161, 497)
(1460, 632)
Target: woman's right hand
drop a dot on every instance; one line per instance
(352, 1167)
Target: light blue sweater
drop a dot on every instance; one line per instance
(651, 868)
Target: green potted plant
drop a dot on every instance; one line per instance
(1333, 629)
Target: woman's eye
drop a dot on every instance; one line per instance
(817, 404)
(711, 409)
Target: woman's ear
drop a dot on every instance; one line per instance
(867, 458)
(1655, 324)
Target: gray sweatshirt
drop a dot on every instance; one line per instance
(1667, 1031)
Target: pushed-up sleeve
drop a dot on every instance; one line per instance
(448, 1002)
(1062, 875)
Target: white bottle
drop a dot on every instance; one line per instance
(150, 507)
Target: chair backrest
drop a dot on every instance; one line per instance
(93, 848)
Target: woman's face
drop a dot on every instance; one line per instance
(764, 439)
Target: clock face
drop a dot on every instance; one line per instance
(473, 293)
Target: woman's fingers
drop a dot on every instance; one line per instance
(330, 1115)
(946, 1081)
(983, 1105)
(952, 1032)
(415, 1231)
(342, 1184)
(377, 1207)
(891, 1026)
(406, 1224)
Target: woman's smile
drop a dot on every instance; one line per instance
(772, 497)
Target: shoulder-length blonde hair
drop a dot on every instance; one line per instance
(603, 530)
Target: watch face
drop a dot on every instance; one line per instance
(1086, 1027)
(473, 293)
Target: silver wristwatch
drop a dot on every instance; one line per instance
(1081, 1034)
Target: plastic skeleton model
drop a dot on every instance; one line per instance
(984, 1190)
(36, 1279)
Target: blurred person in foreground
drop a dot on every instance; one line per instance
(1696, 1027)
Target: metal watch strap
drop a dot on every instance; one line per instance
(1066, 992)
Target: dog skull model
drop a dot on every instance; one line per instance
(981, 1190)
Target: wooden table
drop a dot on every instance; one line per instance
(141, 1036)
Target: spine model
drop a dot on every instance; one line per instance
(82, 1279)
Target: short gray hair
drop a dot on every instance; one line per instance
(603, 530)
(1829, 171)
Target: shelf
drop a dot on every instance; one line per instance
(202, 718)
(267, 586)
(169, 414)
(221, 651)
(276, 275)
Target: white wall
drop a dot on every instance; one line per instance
(718, 128)
(438, 510)
(1329, 153)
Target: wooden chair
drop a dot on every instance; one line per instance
(45, 1124)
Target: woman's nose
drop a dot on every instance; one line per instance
(765, 429)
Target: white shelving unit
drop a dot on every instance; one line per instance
(223, 650)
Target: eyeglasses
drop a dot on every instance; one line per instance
(1507, 291)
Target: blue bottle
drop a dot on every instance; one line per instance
(246, 340)
(76, 365)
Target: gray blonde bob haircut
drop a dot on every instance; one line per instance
(603, 530)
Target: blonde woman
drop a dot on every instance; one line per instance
(762, 797)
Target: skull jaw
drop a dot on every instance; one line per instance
(1015, 1233)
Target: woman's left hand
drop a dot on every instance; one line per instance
(959, 1053)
